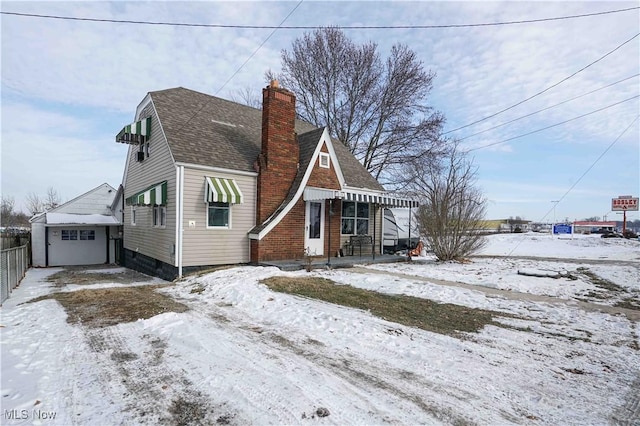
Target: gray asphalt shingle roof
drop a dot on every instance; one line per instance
(207, 130)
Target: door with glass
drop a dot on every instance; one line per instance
(314, 228)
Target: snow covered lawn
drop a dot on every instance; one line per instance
(243, 354)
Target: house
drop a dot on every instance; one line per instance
(213, 182)
(83, 231)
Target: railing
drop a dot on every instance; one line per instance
(14, 263)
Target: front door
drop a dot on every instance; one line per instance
(314, 228)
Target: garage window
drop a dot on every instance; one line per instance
(69, 234)
(88, 235)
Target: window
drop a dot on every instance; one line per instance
(324, 160)
(133, 215)
(87, 234)
(218, 215)
(355, 218)
(159, 216)
(69, 234)
(146, 148)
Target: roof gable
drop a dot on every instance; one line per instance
(96, 201)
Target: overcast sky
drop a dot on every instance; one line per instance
(68, 87)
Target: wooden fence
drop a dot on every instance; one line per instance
(14, 263)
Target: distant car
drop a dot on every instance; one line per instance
(611, 234)
(629, 234)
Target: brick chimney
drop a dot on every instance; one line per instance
(278, 162)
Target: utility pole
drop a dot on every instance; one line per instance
(555, 203)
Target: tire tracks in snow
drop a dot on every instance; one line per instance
(152, 392)
(398, 387)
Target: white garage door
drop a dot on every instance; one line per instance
(77, 246)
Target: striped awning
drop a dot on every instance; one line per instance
(386, 200)
(221, 190)
(382, 199)
(135, 133)
(314, 194)
(155, 195)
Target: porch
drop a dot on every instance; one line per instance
(334, 262)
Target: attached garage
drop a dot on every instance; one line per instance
(84, 231)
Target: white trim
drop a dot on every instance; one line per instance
(326, 139)
(221, 228)
(177, 237)
(327, 160)
(142, 105)
(216, 169)
(181, 214)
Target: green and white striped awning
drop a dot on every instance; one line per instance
(385, 200)
(135, 133)
(220, 190)
(155, 195)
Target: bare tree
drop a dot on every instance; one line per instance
(6, 211)
(247, 96)
(9, 218)
(450, 216)
(36, 204)
(377, 108)
(52, 199)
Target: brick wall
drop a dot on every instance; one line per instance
(278, 162)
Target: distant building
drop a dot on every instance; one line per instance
(588, 226)
(506, 225)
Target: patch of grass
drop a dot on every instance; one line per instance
(79, 277)
(444, 318)
(110, 306)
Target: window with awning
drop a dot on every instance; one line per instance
(135, 133)
(154, 195)
(221, 190)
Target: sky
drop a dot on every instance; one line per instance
(68, 87)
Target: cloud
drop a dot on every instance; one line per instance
(69, 86)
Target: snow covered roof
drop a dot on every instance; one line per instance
(81, 219)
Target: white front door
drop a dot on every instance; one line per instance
(314, 228)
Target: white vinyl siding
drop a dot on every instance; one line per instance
(205, 245)
(153, 241)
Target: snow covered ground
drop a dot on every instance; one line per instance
(243, 354)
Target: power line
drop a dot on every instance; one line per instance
(259, 47)
(582, 176)
(241, 66)
(543, 91)
(553, 125)
(315, 27)
(549, 107)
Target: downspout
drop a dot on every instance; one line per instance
(180, 198)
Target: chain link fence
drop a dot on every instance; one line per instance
(14, 263)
